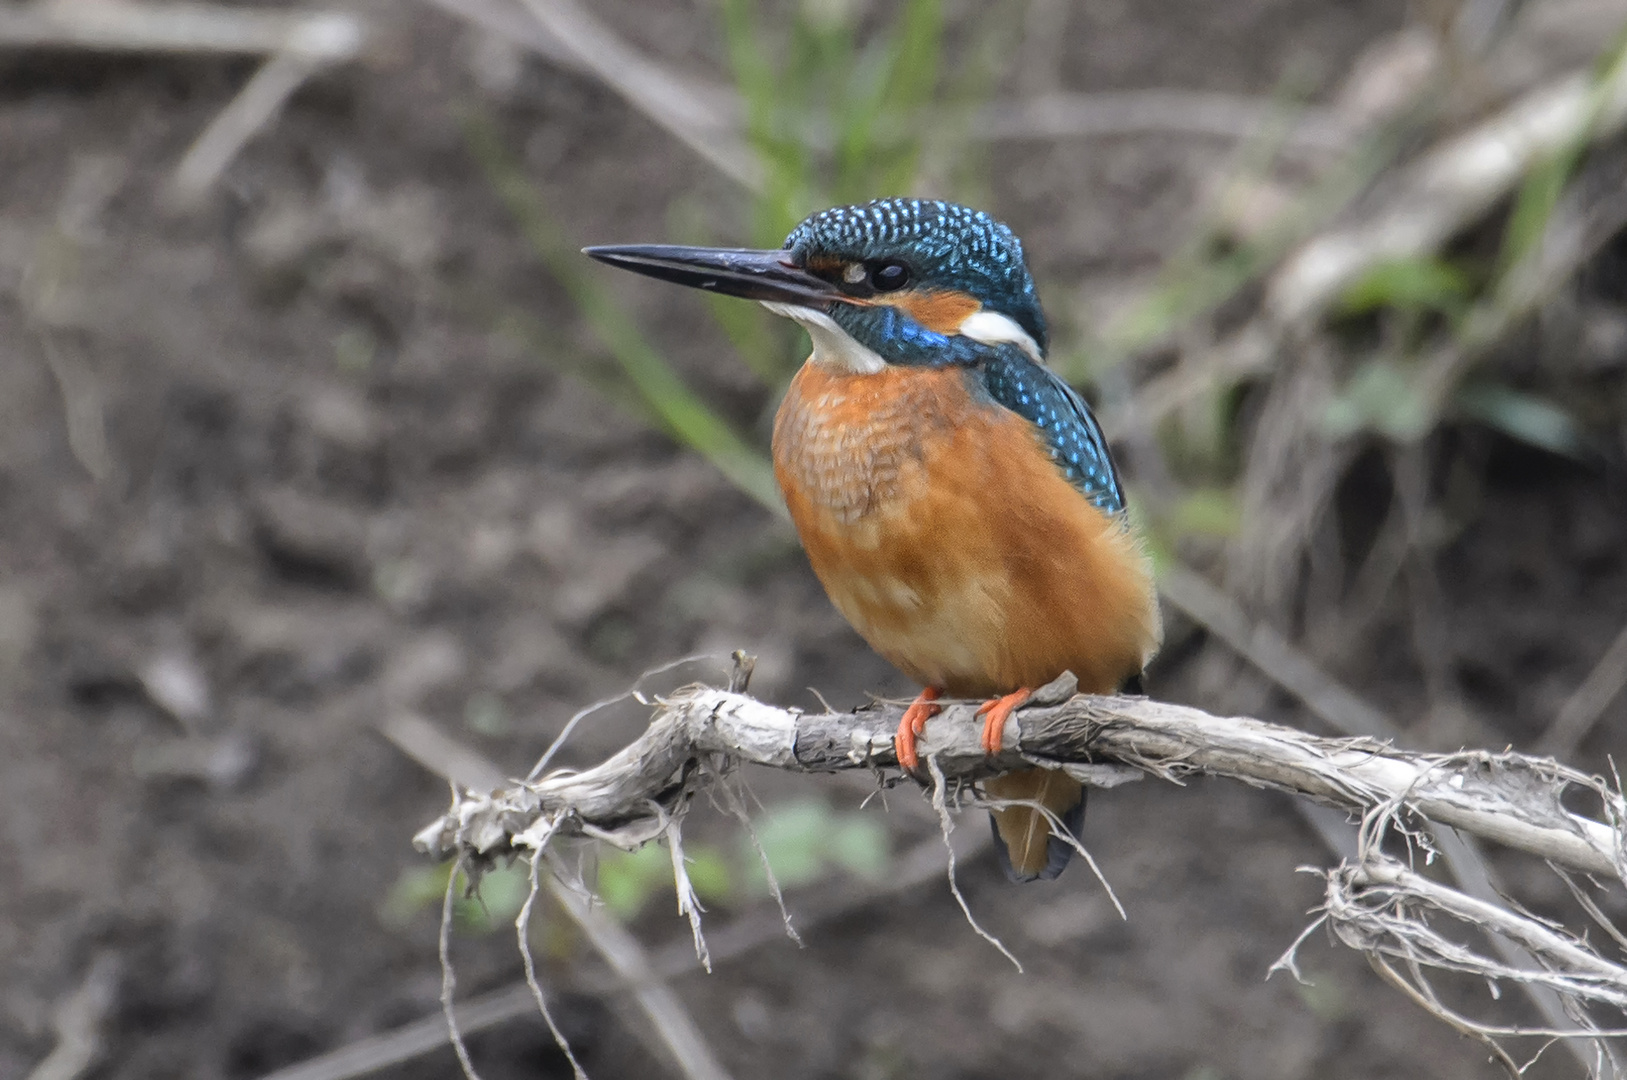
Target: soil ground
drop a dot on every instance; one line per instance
(274, 449)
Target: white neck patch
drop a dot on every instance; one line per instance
(993, 328)
(832, 346)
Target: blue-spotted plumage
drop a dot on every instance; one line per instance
(1068, 428)
(950, 247)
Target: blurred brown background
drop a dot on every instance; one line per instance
(325, 441)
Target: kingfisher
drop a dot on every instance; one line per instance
(955, 497)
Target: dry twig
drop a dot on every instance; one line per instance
(1348, 714)
(1588, 702)
(1373, 902)
(914, 869)
(467, 770)
(629, 961)
(296, 44)
(1108, 114)
(78, 1021)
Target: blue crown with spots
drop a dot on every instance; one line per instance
(946, 245)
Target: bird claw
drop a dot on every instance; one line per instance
(913, 723)
(996, 711)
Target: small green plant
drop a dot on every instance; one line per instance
(803, 841)
(492, 906)
(1402, 394)
(629, 880)
(1381, 396)
(830, 119)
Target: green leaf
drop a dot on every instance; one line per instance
(1379, 397)
(499, 897)
(792, 835)
(1426, 283)
(805, 840)
(709, 873)
(1534, 206)
(629, 879)
(495, 904)
(859, 845)
(1526, 417)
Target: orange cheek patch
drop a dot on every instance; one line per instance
(938, 311)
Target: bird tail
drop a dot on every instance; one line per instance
(1022, 835)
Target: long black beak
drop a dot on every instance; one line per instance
(754, 275)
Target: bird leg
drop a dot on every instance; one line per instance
(920, 711)
(996, 712)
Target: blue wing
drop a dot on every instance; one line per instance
(1069, 429)
(1033, 391)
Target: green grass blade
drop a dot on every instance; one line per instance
(1538, 197)
(680, 411)
(1526, 417)
(771, 93)
(911, 86)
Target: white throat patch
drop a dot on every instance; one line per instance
(993, 328)
(832, 346)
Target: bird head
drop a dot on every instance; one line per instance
(894, 281)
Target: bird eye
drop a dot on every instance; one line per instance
(889, 276)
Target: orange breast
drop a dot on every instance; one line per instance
(942, 531)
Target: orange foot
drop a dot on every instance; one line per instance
(996, 712)
(914, 722)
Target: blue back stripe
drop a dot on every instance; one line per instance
(1066, 424)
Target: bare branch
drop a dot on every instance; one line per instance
(1508, 798)
(1059, 115)
(254, 107)
(1450, 187)
(121, 26)
(1589, 701)
(1374, 903)
(1349, 714)
(667, 100)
